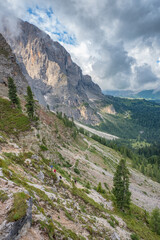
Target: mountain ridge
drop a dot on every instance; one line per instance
(55, 79)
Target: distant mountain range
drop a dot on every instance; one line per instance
(145, 94)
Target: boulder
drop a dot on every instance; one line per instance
(28, 161)
(35, 157)
(115, 236)
(41, 176)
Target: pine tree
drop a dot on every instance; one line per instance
(12, 92)
(121, 186)
(30, 105)
(155, 220)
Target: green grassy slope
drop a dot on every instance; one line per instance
(66, 151)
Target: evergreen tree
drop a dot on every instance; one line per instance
(30, 105)
(121, 186)
(155, 220)
(12, 92)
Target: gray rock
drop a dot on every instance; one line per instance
(35, 157)
(54, 189)
(1, 173)
(10, 68)
(1, 157)
(28, 161)
(41, 176)
(115, 236)
(26, 192)
(14, 230)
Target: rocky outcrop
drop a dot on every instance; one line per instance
(15, 230)
(55, 79)
(9, 67)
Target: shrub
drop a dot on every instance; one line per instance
(155, 220)
(19, 207)
(3, 196)
(76, 170)
(43, 148)
(134, 236)
(100, 189)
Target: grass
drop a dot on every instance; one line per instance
(43, 148)
(81, 194)
(69, 216)
(137, 222)
(3, 196)
(19, 207)
(19, 159)
(12, 120)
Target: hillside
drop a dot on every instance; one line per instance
(62, 209)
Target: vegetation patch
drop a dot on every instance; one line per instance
(12, 120)
(3, 196)
(19, 207)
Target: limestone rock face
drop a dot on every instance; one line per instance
(9, 67)
(55, 79)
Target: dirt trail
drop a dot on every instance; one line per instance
(99, 133)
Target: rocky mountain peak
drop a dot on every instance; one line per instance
(55, 79)
(10, 68)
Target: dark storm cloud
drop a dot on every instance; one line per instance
(114, 32)
(144, 75)
(113, 29)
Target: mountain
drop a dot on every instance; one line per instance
(59, 83)
(10, 68)
(119, 93)
(150, 95)
(145, 94)
(55, 79)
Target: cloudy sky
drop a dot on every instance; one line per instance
(117, 42)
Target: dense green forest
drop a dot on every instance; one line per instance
(135, 119)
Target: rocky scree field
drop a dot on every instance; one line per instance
(36, 204)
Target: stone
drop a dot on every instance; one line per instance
(28, 161)
(16, 229)
(10, 68)
(1, 173)
(41, 176)
(35, 157)
(54, 189)
(2, 158)
(26, 192)
(115, 236)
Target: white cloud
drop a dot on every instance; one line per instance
(117, 42)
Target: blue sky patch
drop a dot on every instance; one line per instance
(51, 24)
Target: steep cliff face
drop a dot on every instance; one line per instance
(55, 79)
(10, 68)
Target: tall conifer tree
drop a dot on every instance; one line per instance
(12, 92)
(30, 105)
(121, 186)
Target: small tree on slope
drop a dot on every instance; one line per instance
(30, 105)
(121, 186)
(12, 92)
(155, 220)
